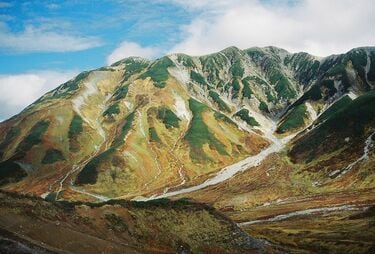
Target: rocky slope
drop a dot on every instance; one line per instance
(282, 143)
(141, 128)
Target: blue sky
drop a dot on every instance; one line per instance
(44, 43)
(98, 25)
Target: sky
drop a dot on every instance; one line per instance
(45, 42)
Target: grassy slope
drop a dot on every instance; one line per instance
(244, 115)
(158, 72)
(52, 156)
(294, 120)
(89, 173)
(334, 108)
(169, 118)
(349, 121)
(199, 133)
(220, 103)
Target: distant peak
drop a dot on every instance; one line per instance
(231, 49)
(131, 59)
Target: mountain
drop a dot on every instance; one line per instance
(256, 133)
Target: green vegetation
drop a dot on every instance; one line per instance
(121, 93)
(261, 83)
(246, 91)
(13, 132)
(220, 103)
(89, 173)
(338, 105)
(236, 69)
(169, 118)
(75, 129)
(243, 114)
(271, 66)
(158, 71)
(199, 134)
(73, 85)
(255, 53)
(65, 89)
(263, 107)
(52, 156)
(51, 197)
(153, 135)
(34, 137)
(349, 121)
(10, 172)
(134, 66)
(211, 65)
(198, 78)
(256, 79)
(282, 86)
(371, 73)
(221, 117)
(236, 87)
(114, 109)
(359, 61)
(115, 222)
(337, 69)
(315, 93)
(306, 66)
(124, 131)
(294, 119)
(186, 61)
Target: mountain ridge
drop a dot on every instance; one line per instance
(282, 144)
(242, 92)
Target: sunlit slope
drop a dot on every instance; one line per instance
(122, 134)
(142, 128)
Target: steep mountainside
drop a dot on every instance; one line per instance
(281, 143)
(143, 128)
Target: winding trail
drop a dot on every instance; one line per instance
(310, 211)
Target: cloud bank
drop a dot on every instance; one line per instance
(44, 39)
(127, 49)
(320, 27)
(20, 90)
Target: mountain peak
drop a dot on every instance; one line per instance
(131, 59)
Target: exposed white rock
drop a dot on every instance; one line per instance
(311, 111)
(352, 95)
(306, 212)
(181, 109)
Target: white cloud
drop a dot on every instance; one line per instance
(320, 27)
(19, 90)
(127, 49)
(46, 38)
